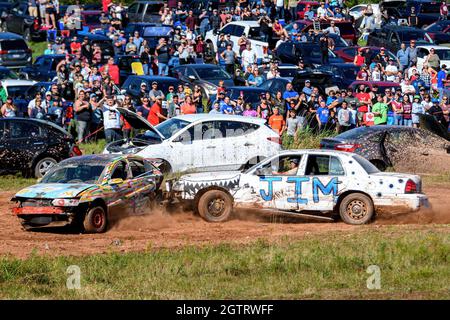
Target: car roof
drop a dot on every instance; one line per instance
(250, 23)
(435, 47)
(378, 83)
(102, 158)
(44, 122)
(315, 151)
(154, 78)
(9, 36)
(402, 28)
(213, 117)
(244, 88)
(200, 65)
(13, 82)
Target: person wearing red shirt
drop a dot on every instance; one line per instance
(112, 70)
(155, 115)
(75, 47)
(105, 5)
(188, 107)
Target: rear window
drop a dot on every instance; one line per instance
(14, 45)
(354, 134)
(367, 165)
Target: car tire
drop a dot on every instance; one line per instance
(356, 209)
(215, 206)
(42, 166)
(95, 220)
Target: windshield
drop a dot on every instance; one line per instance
(17, 91)
(368, 166)
(212, 74)
(169, 127)
(76, 173)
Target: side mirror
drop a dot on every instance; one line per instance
(116, 181)
(123, 91)
(192, 78)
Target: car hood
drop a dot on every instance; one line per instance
(138, 122)
(53, 190)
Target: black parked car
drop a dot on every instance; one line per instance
(206, 76)
(321, 79)
(274, 85)
(382, 145)
(17, 20)
(291, 52)
(33, 146)
(132, 85)
(44, 67)
(391, 37)
(344, 73)
(14, 51)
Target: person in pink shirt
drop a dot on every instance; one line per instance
(249, 111)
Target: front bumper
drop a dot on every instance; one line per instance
(37, 210)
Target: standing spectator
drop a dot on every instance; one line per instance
(83, 111)
(112, 70)
(402, 56)
(293, 124)
(443, 10)
(215, 21)
(155, 93)
(441, 81)
(322, 115)
(155, 115)
(391, 71)
(432, 60)
(33, 8)
(323, 42)
(162, 52)
(173, 109)
(230, 59)
(344, 117)
(276, 122)
(131, 47)
(380, 110)
(191, 21)
(188, 107)
(411, 51)
(9, 110)
(146, 60)
(397, 108)
(248, 57)
(333, 29)
(137, 40)
(111, 120)
(407, 108)
(417, 109)
(413, 19)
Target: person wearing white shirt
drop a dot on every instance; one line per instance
(333, 29)
(248, 57)
(391, 71)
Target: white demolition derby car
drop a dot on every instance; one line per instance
(318, 183)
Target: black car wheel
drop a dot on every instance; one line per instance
(42, 166)
(215, 206)
(356, 208)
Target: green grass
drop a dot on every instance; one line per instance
(15, 182)
(443, 178)
(93, 147)
(38, 48)
(306, 139)
(413, 265)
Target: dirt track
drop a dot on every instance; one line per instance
(175, 230)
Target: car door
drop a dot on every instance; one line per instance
(24, 142)
(119, 180)
(271, 186)
(325, 178)
(143, 184)
(238, 144)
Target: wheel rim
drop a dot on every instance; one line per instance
(97, 218)
(357, 209)
(216, 207)
(45, 166)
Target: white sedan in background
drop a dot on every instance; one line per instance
(318, 183)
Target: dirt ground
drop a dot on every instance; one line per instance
(173, 230)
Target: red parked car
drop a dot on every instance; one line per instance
(302, 5)
(348, 54)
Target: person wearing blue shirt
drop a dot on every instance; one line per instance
(403, 57)
(322, 115)
(290, 95)
(441, 80)
(226, 107)
(307, 89)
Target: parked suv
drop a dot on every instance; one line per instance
(18, 20)
(33, 146)
(14, 51)
(145, 11)
(44, 68)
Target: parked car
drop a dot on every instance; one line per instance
(22, 101)
(391, 37)
(381, 145)
(153, 33)
(44, 67)
(357, 11)
(91, 19)
(14, 51)
(382, 85)
(6, 73)
(442, 52)
(250, 95)
(438, 26)
(346, 28)
(132, 84)
(200, 141)
(324, 80)
(275, 84)
(16, 89)
(103, 41)
(344, 73)
(206, 76)
(17, 20)
(305, 183)
(339, 42)
(88, 192)
(348, 54)
(286, 70)
(236, 29)
(145, 11)
(32, 146)
(131, 27)
(291, 52)
(428, 11)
